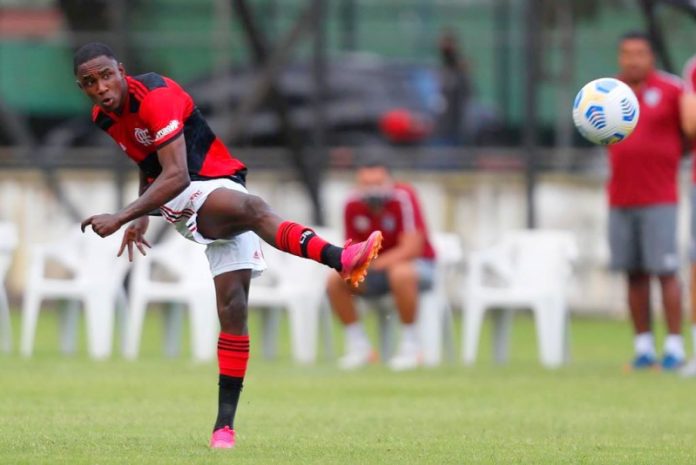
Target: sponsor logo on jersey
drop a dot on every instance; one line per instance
(168, 129)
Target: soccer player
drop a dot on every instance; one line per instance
(405, 267)
(688, 114)
(643, 200)
(187, 173)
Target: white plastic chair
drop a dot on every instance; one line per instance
(297, 285)
(527, 270)
(96, 281)
(191, 285)
(434, 317)
(8, 243)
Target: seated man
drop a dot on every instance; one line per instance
(405, 266)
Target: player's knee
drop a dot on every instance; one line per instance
(233, 313)
(255, 209)
(402, 272)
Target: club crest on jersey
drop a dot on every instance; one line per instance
(143, 136)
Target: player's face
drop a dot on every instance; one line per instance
(103, 80)
(375, 185)
(636, 60)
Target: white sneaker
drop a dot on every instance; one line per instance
(407, 358)
(357, 357)
(689, 369)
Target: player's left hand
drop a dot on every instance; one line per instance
(104, 225)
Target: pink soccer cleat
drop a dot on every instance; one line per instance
(222, 438)
(356, 258)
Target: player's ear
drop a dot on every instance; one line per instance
(121, 69)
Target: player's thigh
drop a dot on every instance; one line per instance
(624, 240)
(226, 212)
(659, 239)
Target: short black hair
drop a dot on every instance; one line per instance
(90, 51)
(372, 158)
(637, 35)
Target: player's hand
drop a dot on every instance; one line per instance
(135, 234)
(103, 225)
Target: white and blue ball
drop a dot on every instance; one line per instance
(605, 111)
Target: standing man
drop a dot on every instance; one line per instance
(404, 269)
(187, 173)
(688, 115)
(643, 200)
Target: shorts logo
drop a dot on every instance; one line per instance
(195, 195)
(172, 126)
(143, 136)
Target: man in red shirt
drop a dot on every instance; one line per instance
(405, 266)
(688, 114)
(643, 197)
(189, 176)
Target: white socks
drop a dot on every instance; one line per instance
(409, 338)
(674, 345)
(356, 337)
(644, 344)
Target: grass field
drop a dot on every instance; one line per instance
(69, 410)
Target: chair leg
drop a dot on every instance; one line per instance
(204, 327)
(551, 328)
(448, 333)
(30, 316)
(173, 326)
(386, 325)
(270, 322)
(99, 315)
(303, 327)
(471, 332)
(326, 328)
(134, 325)
(430, 319)
(69, 321)
(5, 322)
(502, 325)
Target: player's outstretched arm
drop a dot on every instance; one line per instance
(170, 183)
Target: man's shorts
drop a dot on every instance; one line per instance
(241, 252)
(376, 283)
(644, 239)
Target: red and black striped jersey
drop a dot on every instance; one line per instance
(156, 111)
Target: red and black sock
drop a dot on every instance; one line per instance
(233, 357)
(302, 241)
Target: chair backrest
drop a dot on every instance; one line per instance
(448, 248)
(540, 257)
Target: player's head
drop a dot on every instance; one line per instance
(636, 56)
(374, 180)
(100, 75)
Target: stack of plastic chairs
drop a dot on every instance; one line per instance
(8, 244)
(96, 281)
(190, 285)
(526, 270)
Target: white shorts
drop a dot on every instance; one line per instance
(241, 252)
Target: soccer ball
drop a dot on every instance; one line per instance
(605, 111)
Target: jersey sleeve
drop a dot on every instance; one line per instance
(163, 111)
(689, 76)
(411, 214)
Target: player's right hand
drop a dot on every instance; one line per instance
(135, 234)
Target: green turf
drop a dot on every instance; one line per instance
(69, 410)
